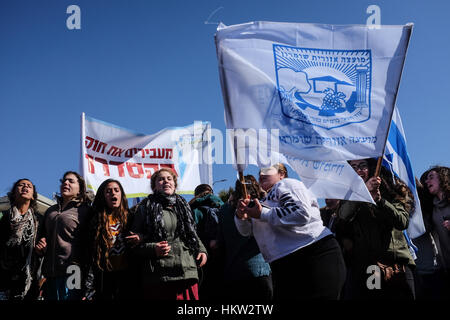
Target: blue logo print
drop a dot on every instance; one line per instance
(324, 88)
(178, 151)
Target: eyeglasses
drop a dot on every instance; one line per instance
(361, 166)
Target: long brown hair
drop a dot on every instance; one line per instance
(253, 189)
(444, 180)
(426, 198)
(103, 236)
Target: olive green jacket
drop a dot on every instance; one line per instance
(180, 264)
(374, 231)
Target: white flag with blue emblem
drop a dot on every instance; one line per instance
(329, 89)
(396, 159)
(328, 92)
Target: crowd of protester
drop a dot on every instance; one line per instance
(264, 240)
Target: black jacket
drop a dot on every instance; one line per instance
(13, 259)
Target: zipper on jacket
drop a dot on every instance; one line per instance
(54, 241)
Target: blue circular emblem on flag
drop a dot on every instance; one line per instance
(324, 88)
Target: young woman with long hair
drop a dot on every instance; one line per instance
(64, 240)
(18, 231)
(110, 274)
(436, 211)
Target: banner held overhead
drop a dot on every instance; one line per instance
(109, 151)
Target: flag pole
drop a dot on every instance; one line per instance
(378, 168)
(380, 159)
(82, 144)
(242, 180)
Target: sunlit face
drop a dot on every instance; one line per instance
(268, 178)
(24, 190)
(165, 183)
(113, 195)
(70, 187)
(361, 167)
(432, 182)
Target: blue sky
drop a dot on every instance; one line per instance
(147, 65)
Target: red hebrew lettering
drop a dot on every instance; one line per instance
(152, 166)
(105, 166)
(91, 167)
(111, 150)
(119, 166)
(95, 145)
(138, 166)
(161, 153)
(115, 151)
(129, 153)
(101, 147)
(88, 142)
(118, 153)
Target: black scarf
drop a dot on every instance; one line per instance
(185, 229)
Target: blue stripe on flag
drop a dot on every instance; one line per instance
(399, 145)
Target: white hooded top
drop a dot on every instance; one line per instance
(290, 220)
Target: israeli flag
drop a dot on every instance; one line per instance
(396, 159)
